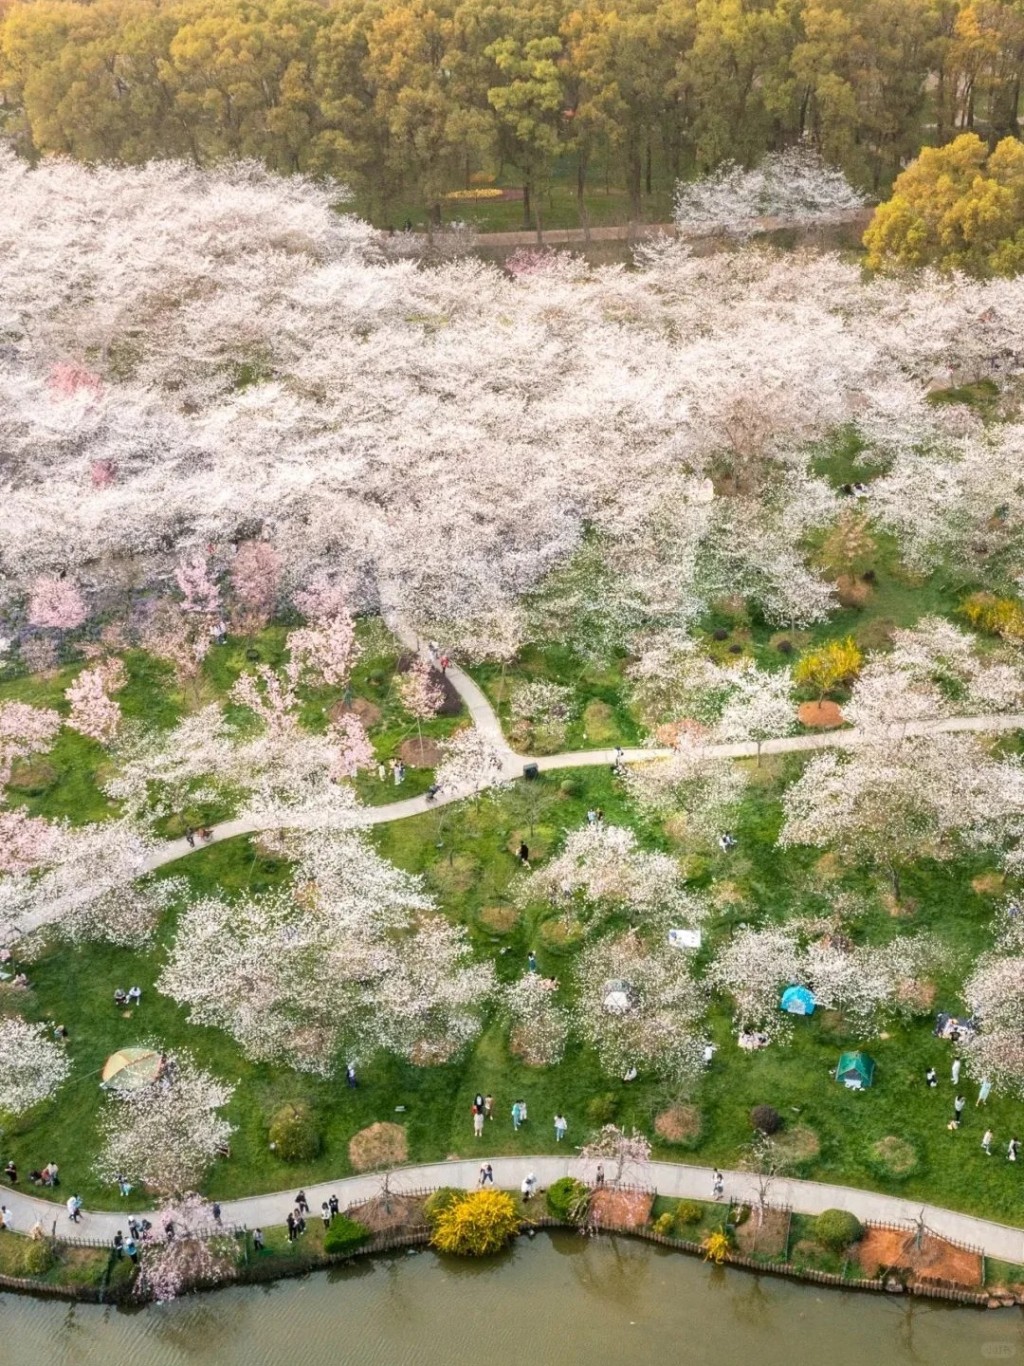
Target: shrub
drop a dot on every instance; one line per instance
(477, 1225)
(35, 1258)
(601, 1110)
(999, 616)
(766, 1119)
(294, 1132)
(440, 1200)
(570, 787)
(344, 1235)
(566, 1198)
(689, 1212)
(835, 1229)
(665, 1224)
(826, 668)
(716, 1247)
(32, 777)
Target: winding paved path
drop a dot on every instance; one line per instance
(669, 1178)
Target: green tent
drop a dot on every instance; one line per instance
(855, 1071)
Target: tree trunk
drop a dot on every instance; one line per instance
(647, 166)
(526, 205)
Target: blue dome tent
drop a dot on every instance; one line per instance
(798, 1001)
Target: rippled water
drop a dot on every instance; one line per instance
(560, 1300)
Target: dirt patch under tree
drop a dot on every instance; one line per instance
(420, 753)
(882, 1249)
(615, 1208)
(820, 715)
(678, 1124)
(381, 1145)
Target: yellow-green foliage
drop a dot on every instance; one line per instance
(959, 207)
(826, 668)
(477, 1225)
(716, 1247)
(1001, 616)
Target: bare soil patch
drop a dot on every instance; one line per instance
(393, 1211)
(798, 1144)
(726, 893)
(368, 712)
(988, 884)
(678, 1124)
(852, 592)
(881, 1249)
(768, 1239)
(560, 933)
(820, 715)
(621, 1208)
(599, 723)
(381, 1145)
(456, 875)
(419, 753)
(828, 868)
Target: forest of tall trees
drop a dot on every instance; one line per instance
(406, 100)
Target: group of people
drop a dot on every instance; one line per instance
(49, 1176)
(482, 1109)
(397, 768)
(296, 1221)
(960, 1104)
(131, 997)
(205, 833)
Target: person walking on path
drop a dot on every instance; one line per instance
(325, 1214)
(599, 1175)
(290, 1221)
(486, 1175)
(190, 838)
(717, 1184)
(986, 1142)
(478, 1122)
(333, 1205)
(215, 1211)
(931, 1077)
(74, 1208)
(517, 1115)
(1012, 1149)
(956, 1071)
(6, 1219)
(561, 1124)
(257, 1240)
(528, 1185)
(984, 1091)
(119, 1244)
(301, 1203)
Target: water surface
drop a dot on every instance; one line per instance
(554, 1301)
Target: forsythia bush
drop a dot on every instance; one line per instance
(479, 1224)
(837, 662)
(485, 192)
(1002, 616)
(716, 1247)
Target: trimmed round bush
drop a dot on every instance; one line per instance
(688, 1213)
(837, 1228)
(766, 1119)
(295, 1133)
(570, 787)
(344, 1235)
(565, 1199)
(35, 1258)
(440, 1200)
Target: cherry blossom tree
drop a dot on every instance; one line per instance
(794, 185)
(93, 711)
(994, 994)
(32, 1066)
(640, 1007)
(165, 1135)
(199, 591)
(602, 871)
(271, 698)
(753, 967)
(421, 697)
(470, 763)
(626, 1151)
(182, 1250)
(693, 783)
(354, 748)
(181, 638)
(24, 730)
(538, 1025)
(56, 603)
(759, 707)
(25, 841)
(255, 574)
(324, 651)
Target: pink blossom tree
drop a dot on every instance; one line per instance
(24, 730)
(626, 1151)
(421, 697)
(56, 603)
(470, 763)
(93, 711)
(182, 639)
(354, 748)
(324, 651)
(269, 697)
(199, 590)
(26, 841)
(255, 574)
(182, 1250)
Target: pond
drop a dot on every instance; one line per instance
(557, 1299)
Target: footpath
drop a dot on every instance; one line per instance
(668, 1178)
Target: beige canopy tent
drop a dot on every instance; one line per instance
(129, 1069)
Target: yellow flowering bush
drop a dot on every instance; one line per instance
(475, 1226)
(485, 192)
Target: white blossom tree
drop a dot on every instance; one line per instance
(165, 1135)
(994, 993)
(539, 1026)
(759, 707)
(32, 1066)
